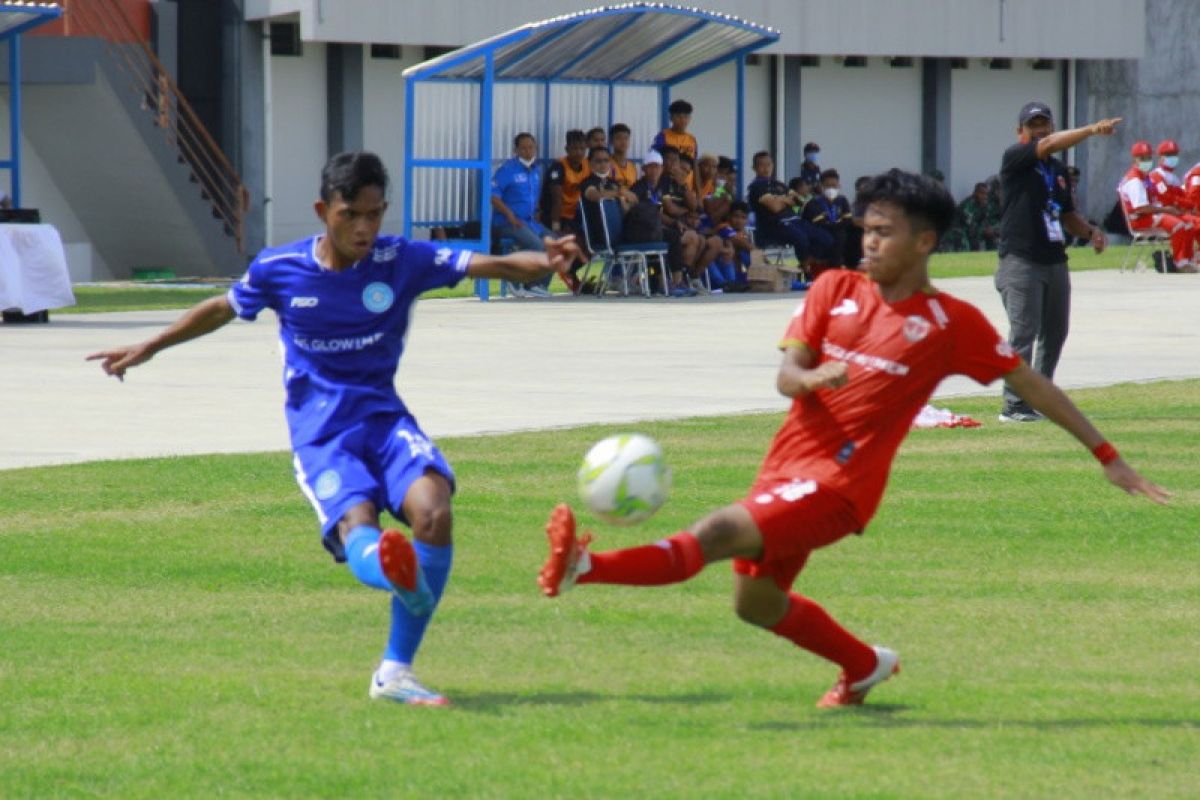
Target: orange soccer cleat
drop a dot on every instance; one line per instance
(844, 693)
(568, 557)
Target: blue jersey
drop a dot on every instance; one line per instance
(342, 332)
(519, 187)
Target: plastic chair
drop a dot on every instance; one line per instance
(633, 257)
(1157, 239)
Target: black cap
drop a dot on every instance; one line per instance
(1034, 109)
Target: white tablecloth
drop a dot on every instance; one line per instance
(33, 269)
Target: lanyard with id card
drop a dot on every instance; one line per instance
(1053, 211)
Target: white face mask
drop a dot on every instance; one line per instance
(601, 175)
(1145, 166)
(1170, 162)
(831, 193)
(528, 162)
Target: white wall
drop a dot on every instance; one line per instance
(300, 145)
(866, 119)
(383, 121)
(38, 190)
(984, 104)
(713, 95)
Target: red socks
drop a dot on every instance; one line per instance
(669, 561)
(808, 625)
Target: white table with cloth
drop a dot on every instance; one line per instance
(33, 269)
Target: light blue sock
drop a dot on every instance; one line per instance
(407, 630)
(362, 556)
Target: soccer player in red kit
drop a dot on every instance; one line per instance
(860, 359)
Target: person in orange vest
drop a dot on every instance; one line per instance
(1146, 209)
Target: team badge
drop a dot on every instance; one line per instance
(328, 484)
(378, 297)
(916, 328)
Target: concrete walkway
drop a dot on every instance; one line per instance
(507, 365)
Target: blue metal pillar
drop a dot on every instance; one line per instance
(14, 117)
(486, 87)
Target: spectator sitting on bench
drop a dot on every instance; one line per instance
(776, 221)
(715, 195)
(830, 212)
(516, 192)
(560, 202)
(600, 186)
(728, 272)
(624, 171)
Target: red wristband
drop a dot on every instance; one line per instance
(1105, 453)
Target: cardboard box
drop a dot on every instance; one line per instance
(764, 277)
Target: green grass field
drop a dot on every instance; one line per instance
(172, 628)
(149, 296)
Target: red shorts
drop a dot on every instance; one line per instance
(794, 517)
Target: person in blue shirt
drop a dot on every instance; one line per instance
(343, 299)
(516, 189)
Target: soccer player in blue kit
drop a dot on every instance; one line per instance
(343, 298)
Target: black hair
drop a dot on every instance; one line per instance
(812, 147)
(576, 136)
(680, 107)
(668, 149)
(983, 185)
(593, 131)
(925, 201)
(740, 205)
(593, 150)
(726, 163)
(618, 127)
(686, 159)
(830, 173)
(758, 155)
(861, 181)
(522, 135)
(795, 183)
(348, 173)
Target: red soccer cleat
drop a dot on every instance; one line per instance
(844, 693)
(398, 560)
(568, 557)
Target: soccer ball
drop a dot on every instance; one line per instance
(623, 479)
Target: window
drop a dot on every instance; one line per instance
(1043, 63)
(854, 61)
(391, 51)
(900, 62)
(285, 39)
(810, 61)
(1000, 63)
(958, 63)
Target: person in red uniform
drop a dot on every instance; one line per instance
(1190, 186)
(1147, 210)
(860, 359)
(1166, 182)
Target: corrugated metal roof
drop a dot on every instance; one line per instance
(19, 15)
(634, 42)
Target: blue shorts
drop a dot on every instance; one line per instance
(375, 460)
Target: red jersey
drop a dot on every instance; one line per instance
(846, 438)
(1167, 186)
(1136, 191)
(1191, 187)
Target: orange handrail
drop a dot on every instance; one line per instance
(219, 181)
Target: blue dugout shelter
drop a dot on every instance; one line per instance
(16, 17)
(616, 63)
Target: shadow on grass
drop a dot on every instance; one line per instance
(882, 715)
(491, 702)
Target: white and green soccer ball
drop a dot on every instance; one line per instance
(624, 479)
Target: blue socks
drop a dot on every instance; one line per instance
(407, 630)
(362, 556)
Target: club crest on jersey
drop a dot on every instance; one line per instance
(916, 328)
(378, 297)
(328, 484)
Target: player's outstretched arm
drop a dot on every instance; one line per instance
(1061, 140)
(799, 373)
(204, 317)
(1047, 398)
(527, 265)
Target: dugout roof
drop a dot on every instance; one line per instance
(647, 45)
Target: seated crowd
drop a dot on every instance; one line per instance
(1155, 199)
(682, 198)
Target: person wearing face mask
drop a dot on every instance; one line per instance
(1166, 181)
(599, 186)
(516, 189)
(1036, 213)
(1146, 209)
(810, 168)
(830, 211)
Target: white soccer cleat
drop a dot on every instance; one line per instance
(405, 688)
(844, 693)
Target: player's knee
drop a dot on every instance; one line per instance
(754, 611)
(432, 522)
